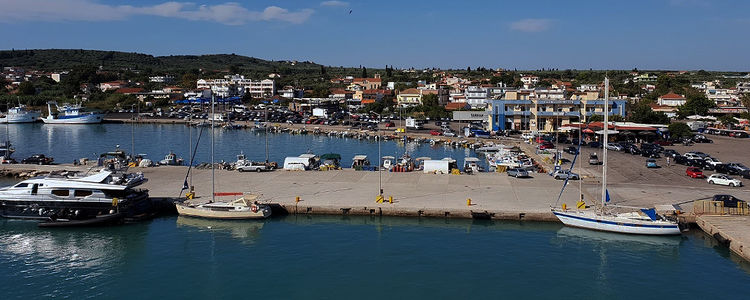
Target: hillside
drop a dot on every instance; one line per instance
(63, 59)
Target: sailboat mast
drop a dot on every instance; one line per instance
(266, 127)
(213, 171)
(604, 143)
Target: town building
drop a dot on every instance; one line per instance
(671, 99)
(409, 97)
(547, 115)
(238, 85)
(166, 79)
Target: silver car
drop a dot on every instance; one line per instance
(565, 174)
(518, 173)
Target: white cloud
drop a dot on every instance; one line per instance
(230, 13)
(531, 25)
(334, 3)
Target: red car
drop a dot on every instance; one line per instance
(435, 132)
(389, 124)
(546, 145)
(694, 172)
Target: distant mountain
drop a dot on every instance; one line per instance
(63, 59)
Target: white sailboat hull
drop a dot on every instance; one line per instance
(202, 212)
(20, 118)
(591, 220)
(82, 119)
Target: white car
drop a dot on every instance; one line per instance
(614, 147)
(723, 180)
(448, 133)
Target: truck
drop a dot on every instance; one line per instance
(254, 167)
(412, 123)
(320, 112)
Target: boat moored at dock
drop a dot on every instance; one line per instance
(71, 114)
(20, 114)
(57, 197)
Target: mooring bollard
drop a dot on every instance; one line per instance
(379, 199)
(468, 201)
(296, 200)
(390, 199)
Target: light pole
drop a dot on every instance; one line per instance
(380, 161)
(132, 134)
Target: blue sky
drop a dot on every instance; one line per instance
(654, 34)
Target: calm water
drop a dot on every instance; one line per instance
(359, 257)
(68, 142)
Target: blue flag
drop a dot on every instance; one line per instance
(607, 192)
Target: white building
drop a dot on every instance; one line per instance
(476, 96)
(587, 87)
(672, 100)
(529, 81)
(168, 79)
(237, 85)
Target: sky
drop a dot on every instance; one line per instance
(524, 35)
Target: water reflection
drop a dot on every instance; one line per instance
(247, 231)
(630, 241)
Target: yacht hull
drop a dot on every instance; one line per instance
(72, 209)
(593, 221)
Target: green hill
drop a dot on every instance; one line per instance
(64, 59)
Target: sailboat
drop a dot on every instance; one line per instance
(246, 207)
(645, 221)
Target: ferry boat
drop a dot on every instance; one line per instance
(71, 114)
(20, 114)
(75, 198)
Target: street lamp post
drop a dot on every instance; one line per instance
(380, 157)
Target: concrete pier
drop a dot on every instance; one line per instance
(732, 231)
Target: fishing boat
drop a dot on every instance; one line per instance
(20, 114)
(642, 221)
(74, 198)
(246, 207)
(71, 114)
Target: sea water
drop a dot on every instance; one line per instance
(354, 257)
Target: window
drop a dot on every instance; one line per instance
(82, 193)
(61, 193)
(22, 185)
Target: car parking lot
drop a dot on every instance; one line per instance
(625, 168)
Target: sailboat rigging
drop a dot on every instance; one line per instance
(644, 222)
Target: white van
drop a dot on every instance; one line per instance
(436, 166)
(294, 163)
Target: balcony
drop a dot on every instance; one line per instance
(558, 114)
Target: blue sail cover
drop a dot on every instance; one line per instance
(650, 212)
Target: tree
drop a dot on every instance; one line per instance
(696, 104)
(322, 70)
(189, 81)
(745, 100)
(26, 88)
(430, 100)
(364, 72)
(642, 113)
(727, 120)
(679, 130)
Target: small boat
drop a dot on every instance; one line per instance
(246, 207)
(71, 114)
(6, 150)
(171, 159)
(20, 114)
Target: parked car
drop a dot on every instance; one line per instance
(565, 174)
(546, 145)
(614, 147)
(728, 200)
(699, 138)
(594, 159)
(632, 149)
(435, 132)
(693, 156)
(518, 173)
(722, 179)
(680, 160)
(663, 143)
(711, 163)
(737, 168)
(389, 124)
(571, 149)
(722, 168)
(694, 172)
(649, 153)
(37, 159)
(449, 133)
(651, 163)
(671, 153)
(595, 145)
(575, 142)
(254, 167)
(745, 174)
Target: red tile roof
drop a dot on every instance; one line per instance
(456, 105)
(128, 90)
(672, 96)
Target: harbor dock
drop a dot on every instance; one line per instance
(731, 230)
